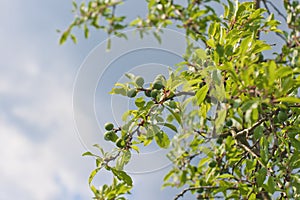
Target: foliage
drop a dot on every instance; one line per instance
(250, 149)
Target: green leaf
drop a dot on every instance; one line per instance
(64, 36)
(224, 176)
(176, 116)
(252, 196)
(168, 125)
(201, 94)
(250, 165)
(123, 176)
(93, 174)
(203, 162)
(140, 102)
(123, 160)
(270, 187)
(211, 43)
(247, 105)
(162, 139)
(157, 36)
(258, 132)
(271, 72)
(89, 154)
(220, 119)
(245, 45)
(108, 45)
(74, 39)
(136, 148)
(288, 99)
(168, 175)
(261, 176)
(200, 53)
(283, 71)
(121, 91)
(86, 31)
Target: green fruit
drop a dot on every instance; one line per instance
(208, 99)
(114, 137)
(108, 126)
(131, 93)
(120, 143)
(282, 116)
(200, 190)
(212, 164)
(139, 81)
(110, 136)
(148, 93)
(229, 122)
(154, 93)
(172, 104)
(158, 85)
(219, 140)
(160, 77)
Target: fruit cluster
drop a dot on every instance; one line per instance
(111, 135)
(157, 90)
(157, 85)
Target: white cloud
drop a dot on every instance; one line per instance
(25, 167)
(41, 155)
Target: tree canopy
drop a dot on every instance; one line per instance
(249, 147)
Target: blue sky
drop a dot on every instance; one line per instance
(41, 157)
(40, 149)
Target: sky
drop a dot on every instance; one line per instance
(41, 144)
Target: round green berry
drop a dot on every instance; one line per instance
(139, 81)
(229, 122)
(131, 93)
(158, 85)
(120, 143)
(108, 126)
(148, 93)
(154, 93)
(282, 116)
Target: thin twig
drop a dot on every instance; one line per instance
(266, 6)
(277, 10)
(248, 130)
(257, 157)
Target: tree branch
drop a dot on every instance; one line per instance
(200, 187)
(276, 9)
(250, 129)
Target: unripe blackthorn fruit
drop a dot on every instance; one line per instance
(154, 93)
(282, 116)
(212, 164)
(158, 85)
(219, 140)
(131, 93)
(110, 136)
(120, 143)
(229, 122)
(148, 93)
(139, 81)
(108, 126)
